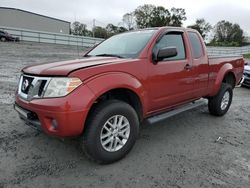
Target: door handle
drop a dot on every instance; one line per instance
(188, 67)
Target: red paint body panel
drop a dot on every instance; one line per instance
(159, 87)
(70, 112)
(65, 67)
(219, 67)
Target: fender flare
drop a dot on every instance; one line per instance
(116, 80)
(224, 70)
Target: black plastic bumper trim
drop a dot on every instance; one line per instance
(34, 123)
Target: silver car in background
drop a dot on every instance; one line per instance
(246, 75)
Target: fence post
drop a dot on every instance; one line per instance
(21, 35)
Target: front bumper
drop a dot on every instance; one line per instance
(62, 117)
(30, 118)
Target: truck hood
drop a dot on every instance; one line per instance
(63, 68)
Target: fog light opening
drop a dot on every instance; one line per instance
(54, 124)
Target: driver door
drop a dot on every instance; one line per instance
(171, 80)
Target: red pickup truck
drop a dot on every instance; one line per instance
(128, 78)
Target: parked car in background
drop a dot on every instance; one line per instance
(4, 36)
(246, 75)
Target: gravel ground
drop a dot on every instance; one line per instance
(192, 149)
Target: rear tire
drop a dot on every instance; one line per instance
(111, 131)
(219, 104)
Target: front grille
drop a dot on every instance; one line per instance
(26, 84)
(32, 87)
(41, 88)
(246, 81)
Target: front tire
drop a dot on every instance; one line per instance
(111, 131)
(219, 104)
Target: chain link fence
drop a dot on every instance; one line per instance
(220, 51)
(51, 38)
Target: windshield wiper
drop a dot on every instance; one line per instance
(109, 55)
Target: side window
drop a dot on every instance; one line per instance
(172, 40)
(195, 45)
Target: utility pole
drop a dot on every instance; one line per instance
(93, 29)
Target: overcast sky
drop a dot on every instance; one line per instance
(111, 11)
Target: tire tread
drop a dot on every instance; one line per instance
(87, 140)
(215, 101)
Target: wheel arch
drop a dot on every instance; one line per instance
(118, 86)
(122, 94)
(229, 78)
(225, 75)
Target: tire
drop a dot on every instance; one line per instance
(3, 39)
(219, 104)
(98, 124)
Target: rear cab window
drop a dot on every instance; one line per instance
(196, 45)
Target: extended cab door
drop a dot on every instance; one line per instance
(171, 80)
(200, 64)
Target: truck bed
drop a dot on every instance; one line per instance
(219, 63)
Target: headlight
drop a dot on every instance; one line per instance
(59, 87)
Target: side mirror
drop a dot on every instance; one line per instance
(166, 52)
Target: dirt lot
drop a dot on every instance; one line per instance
(193, 149)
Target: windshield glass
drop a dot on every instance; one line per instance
(126, 45)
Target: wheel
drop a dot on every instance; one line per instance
(3, 39)
(219, 104)
(111, 131)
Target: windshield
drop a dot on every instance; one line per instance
(126, 45)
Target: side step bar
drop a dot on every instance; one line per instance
(176, 111)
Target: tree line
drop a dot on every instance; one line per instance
(224, 33)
